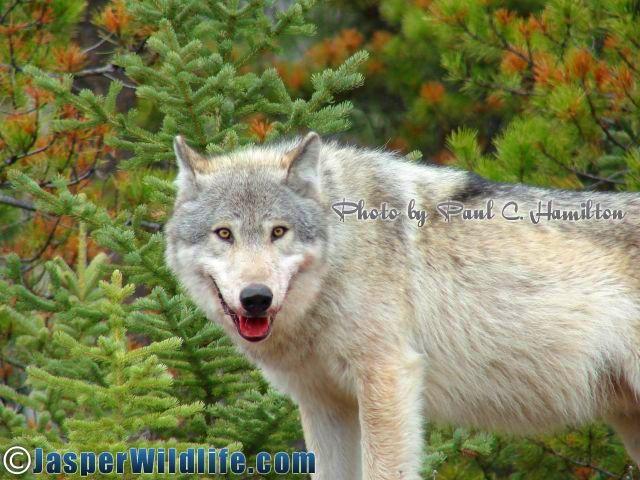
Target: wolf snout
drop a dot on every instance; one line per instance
(256, 299)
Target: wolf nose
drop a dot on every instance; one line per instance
(256, 298)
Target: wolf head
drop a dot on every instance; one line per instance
(248, 234)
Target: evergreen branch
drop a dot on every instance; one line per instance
(86, 175)
(626, 61)
(584, 175)
(191, 355)
(46, 244)
(101, 70)
(24, 205)
(13, 202)
(597, 120)
(98, 44)
(504, 88)
(9, 10)
(573, 461)
(13, 362)
(34, 137)
(504, 42)
(14, 158)
(105, 71)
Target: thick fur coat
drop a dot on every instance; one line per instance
(507, 325)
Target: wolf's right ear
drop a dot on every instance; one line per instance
(190, 164)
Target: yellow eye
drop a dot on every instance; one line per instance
(278, 232)
(223, 233)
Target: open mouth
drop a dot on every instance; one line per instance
(252, 329)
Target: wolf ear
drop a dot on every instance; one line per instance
(302, 161)
(190, 164)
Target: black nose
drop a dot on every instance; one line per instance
(256, 298)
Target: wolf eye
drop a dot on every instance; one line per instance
(223, 233)
(278, 232)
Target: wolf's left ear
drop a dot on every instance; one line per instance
(190, 163)
(302, 163)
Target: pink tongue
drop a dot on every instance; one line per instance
(254, 327)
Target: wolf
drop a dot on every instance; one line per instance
(372, 326)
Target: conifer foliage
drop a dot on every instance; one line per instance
(108, 353)
(570, 73)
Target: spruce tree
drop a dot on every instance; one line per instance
(111, 354)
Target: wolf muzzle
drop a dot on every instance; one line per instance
(256, 299)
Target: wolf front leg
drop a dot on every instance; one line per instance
(333, 435)
(390, 399)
